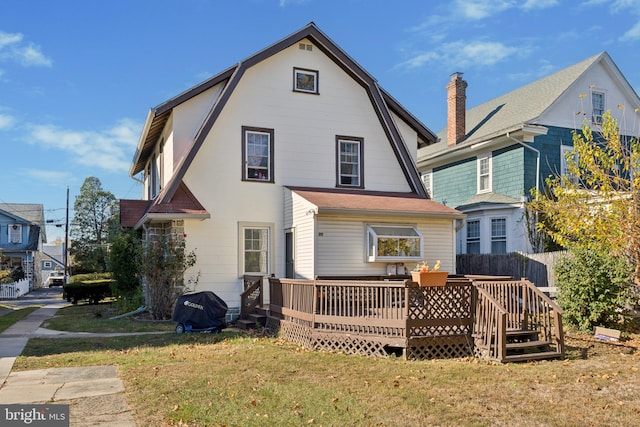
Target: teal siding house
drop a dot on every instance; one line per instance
(489, 157)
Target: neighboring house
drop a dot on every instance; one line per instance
(52, 260)
(22, 234)
(293, 163)
(490, 157)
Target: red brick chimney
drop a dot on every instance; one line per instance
(456, 109)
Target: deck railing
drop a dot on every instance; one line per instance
(465, 317)
(489, 326)
(528, 308)
(252, 296)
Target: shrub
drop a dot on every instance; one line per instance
(592, 287)
(92, 290)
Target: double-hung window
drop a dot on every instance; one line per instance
(393, 243)
(597, 106)
(484, 174)
(255, 252)
(498, 235)
(427, 180)
(567, 155)
(257, 154)
(350, 162)
(473, 236)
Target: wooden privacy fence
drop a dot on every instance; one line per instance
(463, 318)
(538, 268)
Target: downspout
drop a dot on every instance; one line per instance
(537, 159)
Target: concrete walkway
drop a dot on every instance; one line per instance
(95, 394)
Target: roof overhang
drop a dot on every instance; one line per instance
(524, 133)
(164, 217)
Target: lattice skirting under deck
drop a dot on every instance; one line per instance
(439, 347)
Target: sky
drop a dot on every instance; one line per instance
(77, 78)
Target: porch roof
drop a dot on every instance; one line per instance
(340, 201)
(183, 204)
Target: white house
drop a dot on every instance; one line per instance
(293, 163)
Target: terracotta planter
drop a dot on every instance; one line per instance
(430, 278)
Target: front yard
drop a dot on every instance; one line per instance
(234, 379)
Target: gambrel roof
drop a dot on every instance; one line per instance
(383, 104)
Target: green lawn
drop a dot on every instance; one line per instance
(12, 317)
(232, 379)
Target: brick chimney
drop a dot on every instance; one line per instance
(456, 109)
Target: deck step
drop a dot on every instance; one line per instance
(533, 356)
(527, 345)
(522, 334)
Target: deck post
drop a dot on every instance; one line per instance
(524, 322)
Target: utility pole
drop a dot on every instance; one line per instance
(66, 241)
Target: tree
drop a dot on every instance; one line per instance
(596, 205)
(95, 212)
(163, 264)
(594, 209)
(124, 263)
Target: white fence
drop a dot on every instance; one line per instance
(14, 290)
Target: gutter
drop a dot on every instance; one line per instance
(537, 158)
(370, 212)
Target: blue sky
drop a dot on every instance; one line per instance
(77, 78)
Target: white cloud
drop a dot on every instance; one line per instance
(6, 121)
(57, 178)
(538, 4)
(462, 54)
(109, 150)
(13, 49)
(633, 33)
(480, 9)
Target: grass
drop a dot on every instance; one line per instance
(10, 318)
(96, 319)
(232, 379)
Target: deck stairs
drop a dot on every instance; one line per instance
(524, 345)
(254, 320)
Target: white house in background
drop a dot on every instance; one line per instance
(490, 157)
(293, 163)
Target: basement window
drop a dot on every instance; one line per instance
(393, 243)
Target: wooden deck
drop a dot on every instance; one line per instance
(499, 320)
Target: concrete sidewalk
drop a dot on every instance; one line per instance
(95, 394)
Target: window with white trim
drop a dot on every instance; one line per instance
(255, 249)
(427, 180)
(473, 236)
(566, 151)
(484, 174)
(15, 233)
(305, 80)
(350, 160)
(498, 235)
(393, 243)
(597, 106)
(46, 264)
(257, 154)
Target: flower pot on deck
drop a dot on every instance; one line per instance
(430, 278)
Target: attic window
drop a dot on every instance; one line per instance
(15, 233)
(305, 80)
(597, 104)
(304, 46)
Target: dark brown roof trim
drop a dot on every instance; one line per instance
(344, 61)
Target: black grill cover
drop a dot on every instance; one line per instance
(201, 310)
